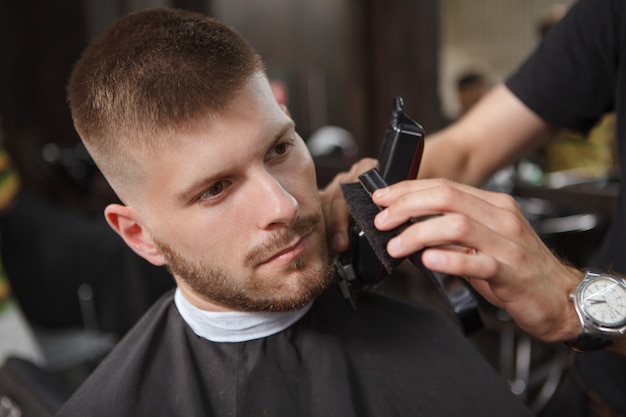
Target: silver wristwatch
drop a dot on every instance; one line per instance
(600, 301)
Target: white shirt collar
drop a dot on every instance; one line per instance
(235, 326)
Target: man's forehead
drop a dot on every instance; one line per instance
(251, 122)
(215, 149)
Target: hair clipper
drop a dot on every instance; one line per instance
(367, 263)
(359, 269)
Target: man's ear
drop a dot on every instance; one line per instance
(124, 220)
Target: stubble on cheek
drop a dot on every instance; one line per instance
(306, 278)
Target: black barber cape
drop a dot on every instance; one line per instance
(388, 358)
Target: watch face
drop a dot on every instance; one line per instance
(604, 301)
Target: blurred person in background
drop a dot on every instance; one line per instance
(471, 86)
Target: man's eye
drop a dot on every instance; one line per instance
(214, 190)
(281, 148)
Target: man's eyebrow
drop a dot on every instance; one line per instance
(283, 131)
(189, 193)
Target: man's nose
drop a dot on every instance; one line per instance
(274, 204)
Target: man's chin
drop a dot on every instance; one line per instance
(306, 289)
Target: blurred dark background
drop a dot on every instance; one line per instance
(341, 61)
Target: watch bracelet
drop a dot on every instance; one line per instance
(587, 342)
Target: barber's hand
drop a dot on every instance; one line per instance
(484, 237)
(335, 207)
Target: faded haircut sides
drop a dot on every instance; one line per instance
(149, 74)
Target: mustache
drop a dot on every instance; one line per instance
(281, 239)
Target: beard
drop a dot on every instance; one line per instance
(305, 279)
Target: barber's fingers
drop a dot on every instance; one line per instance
(457, 230)
(335, 208)
(532, 288)
(500, 267)
(359, 167)
(419, 198)
(478, 268)
(402, 188)
(484, 272)
(484, 238)
(481, 223)
(459, 261)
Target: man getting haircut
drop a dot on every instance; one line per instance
(217, 186)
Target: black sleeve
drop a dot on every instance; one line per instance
(570, 79)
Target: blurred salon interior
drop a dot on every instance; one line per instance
(70, 288)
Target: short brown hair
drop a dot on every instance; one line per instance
(150, 73)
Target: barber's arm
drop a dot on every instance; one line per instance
(496, 132)
(485, 238)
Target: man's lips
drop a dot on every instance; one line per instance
(288, 254)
